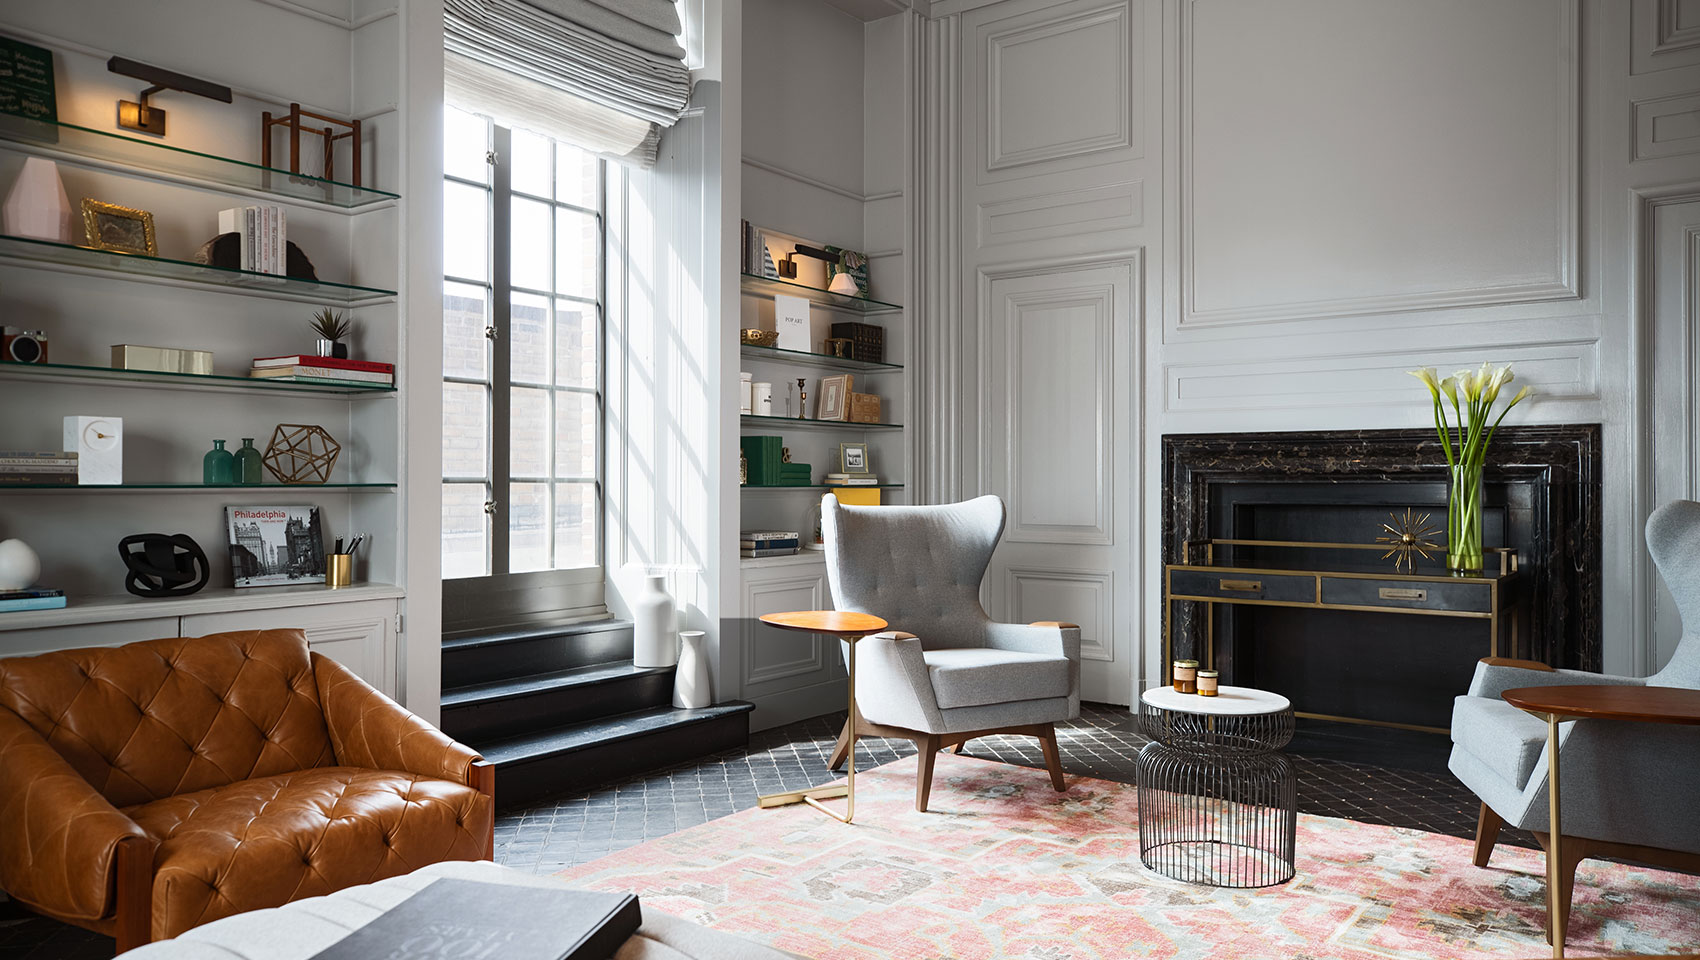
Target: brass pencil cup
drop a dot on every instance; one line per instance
(339, 569)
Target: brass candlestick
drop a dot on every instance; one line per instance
(802, 399)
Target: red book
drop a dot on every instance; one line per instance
(306, 360)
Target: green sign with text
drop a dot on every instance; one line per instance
(26, 81)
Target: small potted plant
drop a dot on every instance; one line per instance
(332, 327)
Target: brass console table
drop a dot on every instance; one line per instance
(1201, 577)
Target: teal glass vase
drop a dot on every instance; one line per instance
(249, 466)
(219, 465)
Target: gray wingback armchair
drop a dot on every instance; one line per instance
(1628, 788)
(946, 673)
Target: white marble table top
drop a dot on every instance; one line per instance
(1228, 702)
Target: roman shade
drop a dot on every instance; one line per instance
(605, 75)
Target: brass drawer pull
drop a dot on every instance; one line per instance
(1404, 593)
(1241, 586)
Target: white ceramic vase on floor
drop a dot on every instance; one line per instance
(654, 643)
(690, 682)
(37, 205)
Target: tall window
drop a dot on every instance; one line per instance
(522, 341)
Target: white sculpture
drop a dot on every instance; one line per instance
(19, 566)
(37, 205)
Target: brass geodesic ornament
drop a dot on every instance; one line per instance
(301, 453)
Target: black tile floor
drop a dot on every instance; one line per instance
(1372, 774)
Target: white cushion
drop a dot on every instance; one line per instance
(976, 676)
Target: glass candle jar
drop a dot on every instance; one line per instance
(1207, 683)
(1186, 676)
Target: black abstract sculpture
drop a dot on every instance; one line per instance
(164, 565)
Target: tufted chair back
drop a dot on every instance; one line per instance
(918, 568)
(1673, 538)
(151, 720)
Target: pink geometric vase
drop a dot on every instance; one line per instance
(37, 206)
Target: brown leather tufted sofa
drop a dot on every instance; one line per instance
(153, 787)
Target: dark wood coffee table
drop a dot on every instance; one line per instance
(849, 627)
(1591, 701)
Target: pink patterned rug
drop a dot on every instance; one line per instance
(1002, 866)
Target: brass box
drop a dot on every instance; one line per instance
(129, 356)
(864, 408)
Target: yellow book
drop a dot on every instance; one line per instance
(857, 496)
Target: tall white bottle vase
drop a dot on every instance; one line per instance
(654, 641)
(691, 689)
(37, 205)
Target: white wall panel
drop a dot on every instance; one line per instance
(1667, 34)
(1667, 127)
(1085, 597)
(1066, 213)
(1409, 156)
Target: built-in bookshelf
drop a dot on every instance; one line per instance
(86, 300)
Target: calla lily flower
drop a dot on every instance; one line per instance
(1426, 375)
(1449, 386)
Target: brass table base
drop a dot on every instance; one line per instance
(814, 795)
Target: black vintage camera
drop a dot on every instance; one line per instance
(18, 345)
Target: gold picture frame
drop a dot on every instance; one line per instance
(854, 459)
(834, 403)
(108, 226)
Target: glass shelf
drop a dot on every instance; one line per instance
(246, 282)
(820, 486)
(754, 420)
(182, 381)
(768, 286)
(169, 487)
(827, 360)
(46, 137)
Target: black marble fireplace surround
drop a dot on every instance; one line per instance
(1541, 496)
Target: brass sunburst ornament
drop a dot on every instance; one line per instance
(1409, 534)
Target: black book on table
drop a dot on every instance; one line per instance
(455, 919)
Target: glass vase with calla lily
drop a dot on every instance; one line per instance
(1464, 438)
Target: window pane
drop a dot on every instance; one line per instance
(575, 343)
(466, 537)
(466, 139)
(575, 525)
(528, 527)
(575, 177)
(575, 259)
(528, 339)
(528, 452)
(530, 244)
(466, 351)
(530, 169)
(466, 231)
(575, 435)
(466, 430)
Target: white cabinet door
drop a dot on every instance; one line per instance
(23, 643)
(360, 636)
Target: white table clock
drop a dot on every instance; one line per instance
(99, 444)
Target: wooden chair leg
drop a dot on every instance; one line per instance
(840, 750)
(1574, 851)
(959, 747)
(1487, 834)
(929, 749)
(1053, 757)
(484, 781)
(133, 865)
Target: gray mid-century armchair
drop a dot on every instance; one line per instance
(945, 673)
(1629, 788)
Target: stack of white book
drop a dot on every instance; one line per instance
(264, 232)
(851, 480)
(767, 543)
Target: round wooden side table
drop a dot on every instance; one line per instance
(1218, 801)
(848, 627)
(1600, 702)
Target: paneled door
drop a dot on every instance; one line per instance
(1672, 313)
(1058, 398)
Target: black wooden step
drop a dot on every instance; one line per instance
(495, 709)
(585, 755)
(517, 653)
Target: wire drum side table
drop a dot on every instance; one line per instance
(1218, 802)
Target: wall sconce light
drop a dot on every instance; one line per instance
(137, 114)
(788, 266)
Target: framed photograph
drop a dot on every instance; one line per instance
(111, 227)
(834, 398)
(275, 546)
(853, 459)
